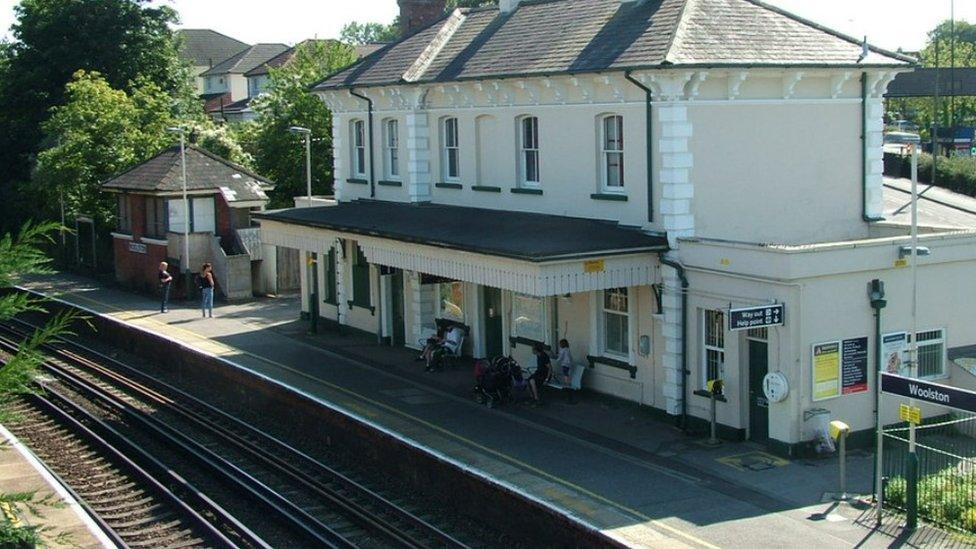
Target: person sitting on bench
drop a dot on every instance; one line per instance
(542, 373)
(448, 345)
(433, 342)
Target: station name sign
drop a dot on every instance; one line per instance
(757, 317)
(925, 391)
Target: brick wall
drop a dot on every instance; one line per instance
(417, 14)
(137, 270)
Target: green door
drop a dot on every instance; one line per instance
(494, 346)
(758, 405)
(396, 291)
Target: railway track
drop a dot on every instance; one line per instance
(317, 503)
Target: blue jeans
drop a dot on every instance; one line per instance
(165, 300)
(206, 303)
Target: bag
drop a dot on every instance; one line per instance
(199, 282)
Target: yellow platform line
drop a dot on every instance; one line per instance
(450, 434)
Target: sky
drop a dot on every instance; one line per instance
(887, 23)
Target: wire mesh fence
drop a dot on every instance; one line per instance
(946, 450)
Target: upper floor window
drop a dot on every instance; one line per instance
(358, 140)
(450, 150)
(391, 145)
(529, 151)
(156, 217)
(613, 152)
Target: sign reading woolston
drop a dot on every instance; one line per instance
(926, 391)
(757, 317)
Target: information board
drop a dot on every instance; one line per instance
(757, 317)
(854, 366)
(826, 370)
(926, 391)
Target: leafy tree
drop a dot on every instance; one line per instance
(278, 154)
(123, 40)
(368, 33)
(99, 132)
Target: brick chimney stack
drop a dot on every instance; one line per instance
(417, 14)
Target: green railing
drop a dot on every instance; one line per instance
(946, 453)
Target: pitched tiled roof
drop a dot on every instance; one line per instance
(247, 59)
(284, 57)
(205, 47)
(205, 171)
(544, 37)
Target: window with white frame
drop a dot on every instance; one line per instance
(616, 322)
(451, 301)
(529, 151)
(358, 141)
(713, 345)
(931, 354)
(391, 145)
(529, 317)
(613, 152)
(450, 150)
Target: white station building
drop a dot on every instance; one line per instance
(629, 175)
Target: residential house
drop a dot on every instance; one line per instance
(258, 80)
(221, 197)
(225, 83)
(630, 175)
(202, 49)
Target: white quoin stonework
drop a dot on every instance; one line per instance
(418, 156)
(874, 160)
(338, 158)
(677, 190)
(340, 269)
(671, 358)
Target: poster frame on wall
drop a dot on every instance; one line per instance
(840, 360)
(813, 368)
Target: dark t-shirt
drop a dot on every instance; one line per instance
(542, 366)
(164, 277)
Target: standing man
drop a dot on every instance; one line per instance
(165, 281)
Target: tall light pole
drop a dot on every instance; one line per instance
(307, 134)
(186, 208)
(312, 273)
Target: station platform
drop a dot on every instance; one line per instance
(63, 521)
(608, 463)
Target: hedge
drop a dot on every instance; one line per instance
(957, 173)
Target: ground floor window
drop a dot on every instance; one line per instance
(616, 322)
(451, 301)
(329, 295)
(528, 317)
(713, 340)
(931, 354)
(360, 280)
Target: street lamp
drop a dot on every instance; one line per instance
(307, 134)
(913, 141)
(186, 208)
(312, 272)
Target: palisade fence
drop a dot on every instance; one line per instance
(946, 449)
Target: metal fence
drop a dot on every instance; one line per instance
(946, 450)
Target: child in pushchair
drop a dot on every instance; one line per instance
(494, 379)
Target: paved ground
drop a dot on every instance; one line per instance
(937, 206)
(66, 523)
(604, 461)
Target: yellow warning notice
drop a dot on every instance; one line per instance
(911, 414)
(594, 266)
(826, 370)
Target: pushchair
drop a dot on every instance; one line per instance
(494, 380)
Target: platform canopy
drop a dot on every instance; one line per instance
(531, 253)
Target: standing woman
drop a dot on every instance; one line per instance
(206, 289)
(165, 281)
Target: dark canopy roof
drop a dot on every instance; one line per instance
(545, 37)
(205, 47)
(960, 81)
(516, 235)
(205, 171)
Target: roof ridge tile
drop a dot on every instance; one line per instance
(426, 57)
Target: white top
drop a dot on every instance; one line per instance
(453, 338)
(564, 359)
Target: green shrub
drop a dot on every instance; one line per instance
(957, 173)
(969, 519)
(895, 492)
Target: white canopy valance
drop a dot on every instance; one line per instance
(534, 278)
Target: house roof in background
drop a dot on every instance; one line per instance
(205, 171)
(546, 37)
(284, 57)
(246, 60)
(206, 47)
(517, 235)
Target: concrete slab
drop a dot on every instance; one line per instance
(606, 462)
